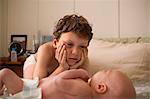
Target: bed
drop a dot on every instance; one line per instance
(129, 55)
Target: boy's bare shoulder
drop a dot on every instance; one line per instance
(46, 50)
(46, 47)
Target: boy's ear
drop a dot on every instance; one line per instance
(101, 88)
(55, 43)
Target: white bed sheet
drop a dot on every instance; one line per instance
(142, 89)
(26, 94)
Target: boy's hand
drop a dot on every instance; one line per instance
(83, 58)
(61, 56)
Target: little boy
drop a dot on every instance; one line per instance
(69, 48)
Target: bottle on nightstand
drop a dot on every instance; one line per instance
(13, 55)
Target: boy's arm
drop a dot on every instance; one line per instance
(44, 56)
(61, 55)
(58, 70)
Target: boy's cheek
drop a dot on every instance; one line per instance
(80, 56)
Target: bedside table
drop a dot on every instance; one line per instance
(17, 67)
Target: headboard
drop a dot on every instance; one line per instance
(127, 39)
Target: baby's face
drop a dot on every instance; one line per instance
(74, 46)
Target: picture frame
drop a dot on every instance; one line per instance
(21, 39)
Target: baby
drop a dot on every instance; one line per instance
(112, 84)
(74, 84)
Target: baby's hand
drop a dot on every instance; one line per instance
(83, 58)
(61, 56)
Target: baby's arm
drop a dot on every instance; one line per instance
(11, 81)
(71, 82)
(75, 73)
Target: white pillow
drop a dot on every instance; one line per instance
(133, 59)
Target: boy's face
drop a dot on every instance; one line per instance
(74, 46)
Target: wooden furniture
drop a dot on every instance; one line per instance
(17, 67)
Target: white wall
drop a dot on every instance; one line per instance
(50, 11)
(148, 11)
(102, 14)
(3, 32)
(133, 18)
(0, 27)
(39, 16)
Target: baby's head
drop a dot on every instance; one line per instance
(111, 83)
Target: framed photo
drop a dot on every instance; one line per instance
(21, 39)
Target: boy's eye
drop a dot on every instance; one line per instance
(69, 45)
(82, 46)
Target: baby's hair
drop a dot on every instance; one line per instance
(73, 23)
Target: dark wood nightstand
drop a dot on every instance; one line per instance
(17, 67)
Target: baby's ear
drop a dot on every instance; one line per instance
(101, 88)
(55, 43)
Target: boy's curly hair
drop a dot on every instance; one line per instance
(73, 23)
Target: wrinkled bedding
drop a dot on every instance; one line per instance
(142, 89)
(25, 94)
